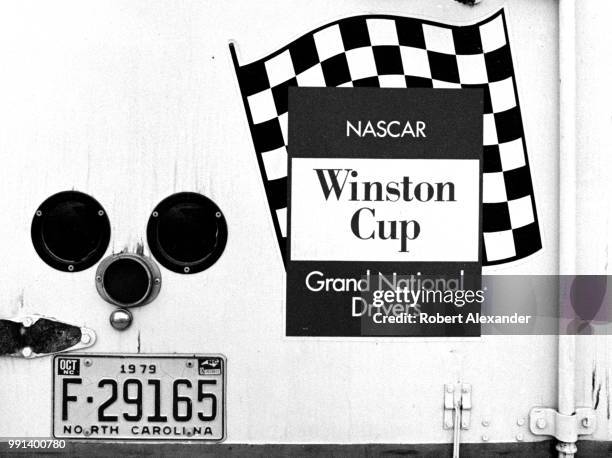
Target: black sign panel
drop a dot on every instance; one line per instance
(384, 211)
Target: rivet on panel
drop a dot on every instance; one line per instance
(541, 423)
(586, 422)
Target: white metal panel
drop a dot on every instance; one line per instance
(594, 171)
(131, 102)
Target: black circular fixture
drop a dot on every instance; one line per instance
(187, 232)
(70, 231)
(128, 280)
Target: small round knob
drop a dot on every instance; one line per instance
(121, 319)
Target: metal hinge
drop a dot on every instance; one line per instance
(457, 399)
(545, 421)
(31, 336)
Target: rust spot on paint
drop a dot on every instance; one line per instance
(138, 248)
(597, 393)
(596, 388)
(608, 394)
(47, 336)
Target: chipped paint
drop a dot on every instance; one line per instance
(596, 396)
(608, 406)
(137, 247)
(595, 387)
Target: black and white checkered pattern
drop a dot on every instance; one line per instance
(391, 51)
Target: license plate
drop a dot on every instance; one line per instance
(139, 397)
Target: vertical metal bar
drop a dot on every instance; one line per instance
(567, 201)
(457, 427)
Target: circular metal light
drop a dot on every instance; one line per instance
(70, 231)
(187, 232)
(128, 280)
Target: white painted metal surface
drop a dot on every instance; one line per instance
(131, 102)
(594, 172)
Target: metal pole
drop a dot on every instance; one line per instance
(567, 202)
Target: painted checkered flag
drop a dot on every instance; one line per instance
(392, 51)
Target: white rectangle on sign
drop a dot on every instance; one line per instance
(139, 397)
(405, 210)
